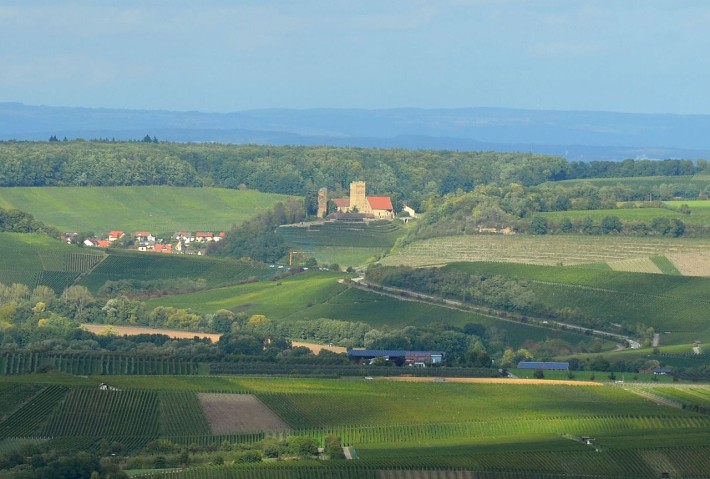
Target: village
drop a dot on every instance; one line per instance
(181, 242)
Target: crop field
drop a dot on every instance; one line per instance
(693, 395)
(544, 250)
(120, 265)
(397, 429)
(38, 260)
(159, 209)
(347, 244)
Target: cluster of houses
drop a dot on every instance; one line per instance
(180, 242)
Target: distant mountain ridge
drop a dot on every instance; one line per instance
(576, 135)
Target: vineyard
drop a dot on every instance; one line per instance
(395, 430)
(544, 250)
(80, 363)
(37, 260)
(131, 265)
(347, 244)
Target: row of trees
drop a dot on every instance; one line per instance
(17, 221)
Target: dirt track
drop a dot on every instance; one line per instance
(549, 382)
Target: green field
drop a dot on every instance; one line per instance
(347, 244)
(158, 209)
(497, 430)
(699, 213)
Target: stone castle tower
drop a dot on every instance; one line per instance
(322, 202)
(357, 197)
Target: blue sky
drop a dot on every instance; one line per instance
(646, 56)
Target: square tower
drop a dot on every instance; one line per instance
(357, 197)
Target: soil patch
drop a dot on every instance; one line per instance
(238, 414)
(134, 330)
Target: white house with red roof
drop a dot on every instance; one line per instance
(380, 207)
(115, 235)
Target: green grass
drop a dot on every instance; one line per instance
(159, 209)
(693, 395)
(665, 265)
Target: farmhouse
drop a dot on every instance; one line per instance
(410, 358)
(545, 366)
(380, 207)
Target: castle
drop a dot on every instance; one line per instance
(377, 207)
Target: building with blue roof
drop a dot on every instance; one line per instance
(544, 365)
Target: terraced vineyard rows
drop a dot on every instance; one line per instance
(28, 420)
(181, 415)
(96, 363)
(121, 265)
(544, 250)
(106, 414)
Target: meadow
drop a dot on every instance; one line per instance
(158, 209)
(503, 430)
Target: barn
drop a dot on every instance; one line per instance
(399, 357)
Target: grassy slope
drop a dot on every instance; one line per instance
(668, 303)
(318, 295)
(158, 209)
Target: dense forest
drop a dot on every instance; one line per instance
(411, 176)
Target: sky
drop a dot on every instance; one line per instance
(637, 56)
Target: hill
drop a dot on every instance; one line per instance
(39, 260)
(34, 259)
(159, 209)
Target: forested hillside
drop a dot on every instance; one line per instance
(411, 176)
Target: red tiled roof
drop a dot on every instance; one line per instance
(380, 202)
(342, 202)
(143, 233)
(115, 234)
(104, 243)
(200, 234)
